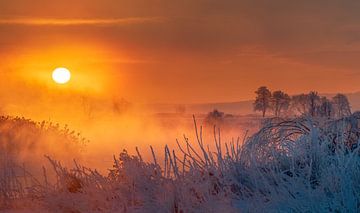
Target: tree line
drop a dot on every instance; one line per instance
(312, 104)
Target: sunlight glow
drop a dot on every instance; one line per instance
(61, 75)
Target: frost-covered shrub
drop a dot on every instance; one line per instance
(299, 165)
(23, 138)
(23, 144)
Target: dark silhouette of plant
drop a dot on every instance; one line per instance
(263, 100)
(326, 108)
(314, 101)
(306, 103)
(342, 105)
(299, 103)
(280, 101)
(215, 117)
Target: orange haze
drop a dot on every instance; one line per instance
(176, 52)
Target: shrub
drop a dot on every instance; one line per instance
(298, 165)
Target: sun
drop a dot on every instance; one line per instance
(61, 75)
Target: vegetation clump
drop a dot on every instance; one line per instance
(305, 164)
(311, 104)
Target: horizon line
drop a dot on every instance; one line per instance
(78, 21)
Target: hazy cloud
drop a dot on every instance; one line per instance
(71, 22)
(245, 42)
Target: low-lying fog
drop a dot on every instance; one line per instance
(112, 125)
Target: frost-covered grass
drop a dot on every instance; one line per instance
(290, 165)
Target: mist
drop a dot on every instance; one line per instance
(108, 123)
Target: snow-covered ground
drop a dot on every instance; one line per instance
(299, 165)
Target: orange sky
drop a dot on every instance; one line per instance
(180, 51)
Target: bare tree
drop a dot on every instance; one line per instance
(314, 102)
(326, 108)
(342, 105)
(306, 103)
(299, 103)
(263, 100)
(280, 101)
(215, 117)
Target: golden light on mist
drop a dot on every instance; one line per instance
(61, 75)
(34, 67)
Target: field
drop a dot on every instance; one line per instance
(288, 165)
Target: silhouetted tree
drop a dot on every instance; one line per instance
(299, 103)
(215, 117)
(280, 101)
(314, 102)
(263, 100)
(306, 103)
(326, 108)
(342, 105)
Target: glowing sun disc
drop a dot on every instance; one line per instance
(61, 75)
